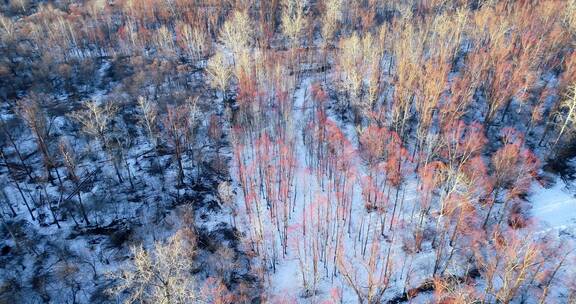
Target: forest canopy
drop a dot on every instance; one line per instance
(287, 151)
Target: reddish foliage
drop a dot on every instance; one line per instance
(398, 160)
(372, 141)
(462, 141)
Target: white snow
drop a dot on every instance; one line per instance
(554, 207)
(320, 198)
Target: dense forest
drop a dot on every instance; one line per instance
(288, 151)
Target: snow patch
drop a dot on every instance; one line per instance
(554, 207)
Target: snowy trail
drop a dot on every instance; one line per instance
(286, 281)
(554, 207)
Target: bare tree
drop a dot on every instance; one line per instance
(176, 129)
(35, 119)
(96, 121)
(219, 72)
(7, 27)
(164, 41)
(294, 20)
(569, 105)
(237, 32)
(369, 277)
(193, 40)
(227, 195)
(332, 17)
(162, 274)
(149, 115)
(70, 162)
(293, 25)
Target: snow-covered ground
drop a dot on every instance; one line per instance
(120, 215)
(554, 207)
(315, 197)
